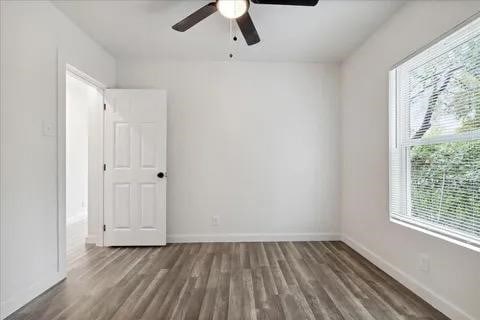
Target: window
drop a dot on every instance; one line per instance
(435, 138)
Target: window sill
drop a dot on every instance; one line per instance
(436, 233)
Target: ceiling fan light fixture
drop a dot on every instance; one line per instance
(232, 9)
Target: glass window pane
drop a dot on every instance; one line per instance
(444, 93)
(445, 180)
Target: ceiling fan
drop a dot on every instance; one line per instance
(238, 10)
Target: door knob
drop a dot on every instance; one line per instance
(161, 175)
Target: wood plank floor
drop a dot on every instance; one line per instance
(299, 280)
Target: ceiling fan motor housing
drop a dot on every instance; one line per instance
(233, 9)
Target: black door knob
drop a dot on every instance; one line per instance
(161, 175)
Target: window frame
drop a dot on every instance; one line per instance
(404, 205)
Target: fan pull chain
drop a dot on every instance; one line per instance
(232, 36)
(229, 40)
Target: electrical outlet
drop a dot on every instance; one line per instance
(424, 263)
(215, 221)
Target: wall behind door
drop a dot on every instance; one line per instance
(255, 144)
(84, 153)
(77, 148)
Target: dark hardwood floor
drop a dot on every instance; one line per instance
(299, 280)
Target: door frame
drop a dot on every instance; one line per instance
(65, 67)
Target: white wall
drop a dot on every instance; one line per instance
(78, 96)
(453, 284)
(254, 143)
(31, 34)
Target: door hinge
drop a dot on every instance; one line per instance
(104, 228)
(104, 167)
(104, 106)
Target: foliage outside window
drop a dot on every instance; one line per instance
(435, 137)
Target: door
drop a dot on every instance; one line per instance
(135, 167)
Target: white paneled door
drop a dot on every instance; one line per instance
(135, 167)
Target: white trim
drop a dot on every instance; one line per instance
(457, 137)
(101, 177)
(28, 294)
(427, 294)
(431, 230)
(84, 77)
(61, 158)
(76, 73)
(3, 157)
(251, 237)
(91, 239)
(64, 67)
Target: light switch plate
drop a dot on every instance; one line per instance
(49, 128)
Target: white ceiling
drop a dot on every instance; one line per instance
(132, 29)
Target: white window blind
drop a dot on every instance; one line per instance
(435, 137)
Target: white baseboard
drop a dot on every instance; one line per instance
(440, 303)
(251, 237)
(23, 297)
(91, 239)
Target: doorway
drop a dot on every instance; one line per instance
(84, 99)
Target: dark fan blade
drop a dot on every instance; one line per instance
(247, 27)
(288, 2)
(196, 17)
